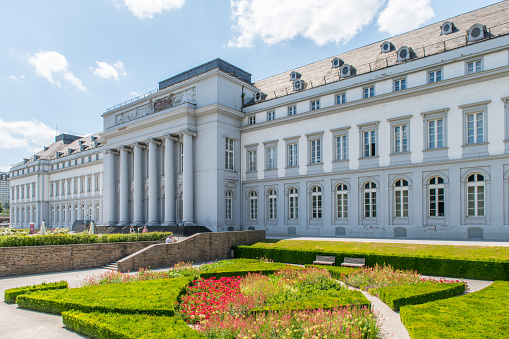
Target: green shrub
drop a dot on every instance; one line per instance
(67, 239)
(397, 296)
(346, 298)
(451, 261)
(127, 326)
(244, 267)
(11, 294)
(481, 314)
(155, 297)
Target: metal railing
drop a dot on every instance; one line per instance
(139, 97)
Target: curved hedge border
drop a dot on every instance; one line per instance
(457, 268)
(68, 239)
(11, 294)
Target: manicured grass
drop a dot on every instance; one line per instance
(11, 294)
(127, 326)
(156, 297)
(242, 267)
(483, 314)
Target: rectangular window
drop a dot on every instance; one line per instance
(251, 160)
(475, 195)
(341, 147)
(293, 206)
(340, 99)
(315, 104)
(228, 153)
(435, 76)
(474, 67)
(82, 185)
(292, 110)
(89, 184)
(253, 207)
(181, 157)
(342, 205)
(369, 92)
(399, 85)
(96, 183)
(251, 120)
(401, 201)
(475, 128)
(369, 143)
(271, 115)
(316, 151)
(228, 201)
(401, 139)
(292, 155)
(271, 158)
(436, 133)
(33, 190)
(436, 201)
(57, 191)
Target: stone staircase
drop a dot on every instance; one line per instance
(112, 266)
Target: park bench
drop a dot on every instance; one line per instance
(324, 260)
(353, 262)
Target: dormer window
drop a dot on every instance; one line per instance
(448, 28)
(299, 85)
(337, 62)
(295, 76)
(387, 47)
(347, 70)
(405, 53)
(477, 32)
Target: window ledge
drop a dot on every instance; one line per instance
(270, 170)
(339, 161)
(475, 144)
(315, 164)
(373, 157)
(251, 171)
(435, 149)
(400, 153)
(287, 167)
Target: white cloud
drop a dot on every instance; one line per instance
(31, 135)
(54, 67)
(404, 15)
(107, 71)
(13, 77)
(134, 94)
(322, 21)
(146, 9)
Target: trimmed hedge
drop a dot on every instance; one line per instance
(127, 326)
(68, 239)
(397, 296)
(481, 314)
(325, 302)
(155, 297)
(243, 268)
(305, 252)
(11, 294)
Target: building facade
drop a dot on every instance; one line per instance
(408, 137)
(4, 189)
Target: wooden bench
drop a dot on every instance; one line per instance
(353, 262)
(324, 260)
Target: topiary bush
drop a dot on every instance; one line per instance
(11, 294)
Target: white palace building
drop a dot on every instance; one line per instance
(408, 137)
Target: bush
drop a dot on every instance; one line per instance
(155, 297)
(348, 298)
(127, 326)
(491, 263)
(481, 314)
(244, 267)
(67, 239)
(337, 272)
(397, 296)
(11, 294)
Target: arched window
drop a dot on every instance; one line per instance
(436, 194)
(272, 196)
(370, 200)
(475, 195)
(316, 202)
(253, 205)
(341, 201)
(293, 203)
(401, 198)
(228, 205)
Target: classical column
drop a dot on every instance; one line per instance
(110, 188)
(153, 186)
(124, 187)
(169, 181)
(188, 179)
(138, 185)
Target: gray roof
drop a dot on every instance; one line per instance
(60, 148)
(424, 41)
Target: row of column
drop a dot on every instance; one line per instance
(153, 185)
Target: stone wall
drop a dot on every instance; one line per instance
(42, 259)
(197, 248)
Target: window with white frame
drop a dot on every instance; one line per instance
(292, 155)
(292, 110)
(341, 201)
(369, 92)
(82, 185)
(340, 98)
(316, 202)
(474, 127)
(370, 200)
(369, 143)
(96, 183)
(436, 197)
(68, 187)
(474, 66)
(57, 189)
(251, 161)
(75, 186)
(315, 146)
(33, 190)
(181, 157)
(62, 189)
(400, 138)
(340, 147)
(271, 115)
(399, 85)
(89, 184)
(271, 157)
(315, 104)
(436, 133)
(228, 153)
(253, 205)
(401, 198)
(251, 120)
(293, 203)
(228, 205)
(272, 202)
(434, 76)
(475, 195)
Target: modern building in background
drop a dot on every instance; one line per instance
(407, 137)
(4, 190)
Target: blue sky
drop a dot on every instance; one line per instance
(62, 63)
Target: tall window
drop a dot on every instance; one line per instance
(474, 67)
(251, 160)
(271, 158)
(369, 92)
(401, 198)
(341, 201)
(401, 139)
(228, 153)
(316, 151)
(251, 120)
(369, 143)
(292, 110)
(33, 190)
(253, 205)
(436, 191)
(181, 157)
(315, 104)
(271, 115)
(57, 189)
(435, 76)
(316, 202)
(292, 155)
(475, 195)
(89, 184)
(293, 203)
(82, 185)
(228, 205)
(340, 99)
(399, 85)
(436, 133)
(341, 147)
(96, 183)
(75, 186)
(272, 196)
(475, 127)
(370, 200)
